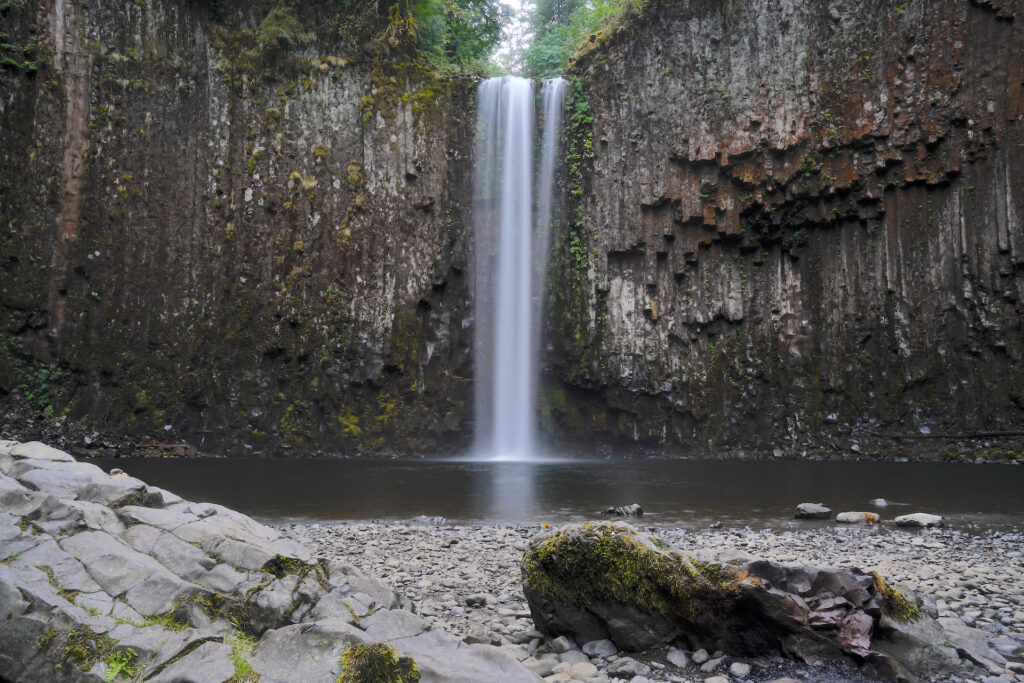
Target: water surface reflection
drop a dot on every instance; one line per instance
(687, 493)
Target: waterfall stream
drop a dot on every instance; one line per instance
(511, 220)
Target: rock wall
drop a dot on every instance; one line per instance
(232, 223)
(797, 224)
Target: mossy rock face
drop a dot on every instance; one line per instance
(611, 580)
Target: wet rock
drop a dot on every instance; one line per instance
(857, 517)
(632, 510)
(701, 656)
(919, 520)
(812, 511)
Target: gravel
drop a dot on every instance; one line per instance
(466, 580)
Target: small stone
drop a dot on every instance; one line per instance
(920, 520)
(626, 666)
(880, 502)
(583, 670)
(700, 656)
(712, 664)
(599, 648)
(574, 657)
(857, 518)
(632, 510)
(562, 644)
(739, 669)
(677, 657)
(812, 511)
(717, 679)
(478, 600)
(541, 667)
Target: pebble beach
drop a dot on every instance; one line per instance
(466, 580)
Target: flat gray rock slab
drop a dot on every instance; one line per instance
(210, 662)
(973, 644)
(80, 481)
(61, 517)
(305, 652)
(441, 658)
(155, 645)
(144, 583)
(387, 625)
(38, 451)
(182, 559)
(16, 499)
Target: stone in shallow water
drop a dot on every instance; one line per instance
(919, 520)
(631, 510)
(812, 511)
(857, 517)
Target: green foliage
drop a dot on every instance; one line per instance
(84, 648)
(563, 29)
(45, 640)
(241, 646)
(456, 32)
(560, 27)
(376, 664)
(120, 663)
(280, 30)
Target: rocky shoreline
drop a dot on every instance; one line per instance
(466, 580)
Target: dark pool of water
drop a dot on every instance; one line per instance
(676, 492)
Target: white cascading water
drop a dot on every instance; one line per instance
(510, 259)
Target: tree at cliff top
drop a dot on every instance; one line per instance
(560, 27)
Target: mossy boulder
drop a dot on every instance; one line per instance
(611, 580)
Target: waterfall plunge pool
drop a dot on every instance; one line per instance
(686, 493)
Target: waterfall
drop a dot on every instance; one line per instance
(510, 258)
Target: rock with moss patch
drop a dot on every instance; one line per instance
(138, 587)
(610, 580)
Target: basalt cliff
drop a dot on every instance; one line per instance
(788, 225)
(794, 224)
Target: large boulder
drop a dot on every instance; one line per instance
(104, 578)
(612, 581)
